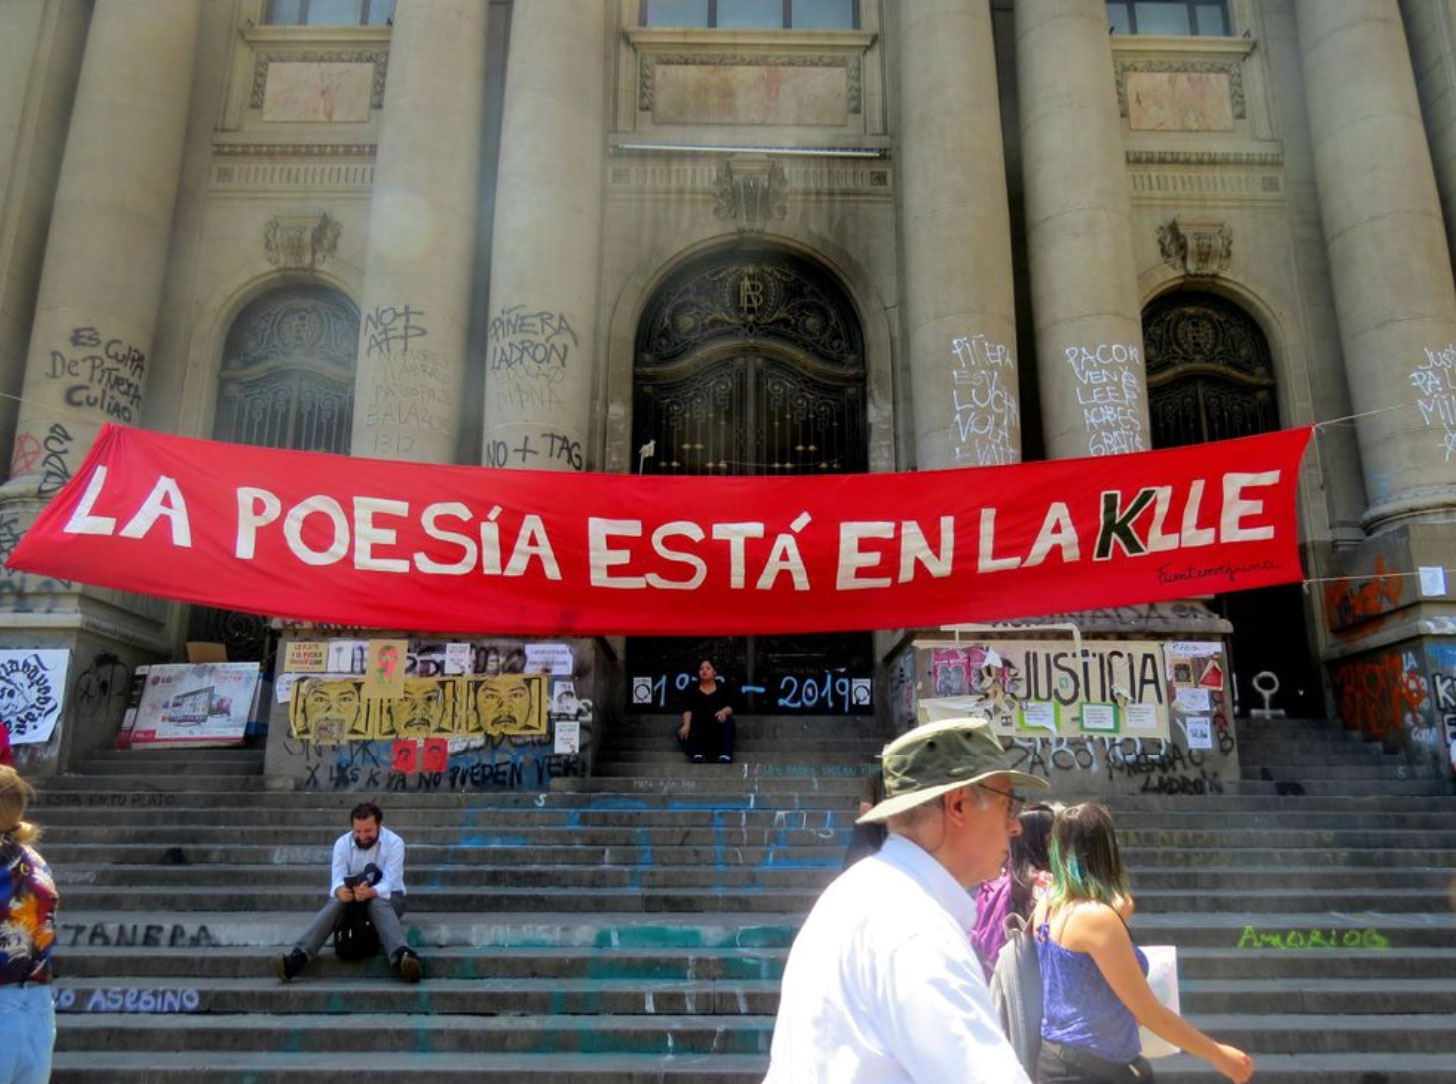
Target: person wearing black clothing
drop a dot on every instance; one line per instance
(707, 729)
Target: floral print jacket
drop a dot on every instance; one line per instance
(27, 914)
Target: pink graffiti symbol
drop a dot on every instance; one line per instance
(386, 662)
(26, 454)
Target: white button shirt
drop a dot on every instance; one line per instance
(882, 985)
(387, 854)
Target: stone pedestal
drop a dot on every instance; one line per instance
(1085, 306)
(411, 367)
(956, 238)
(91, 345)
(542, 335)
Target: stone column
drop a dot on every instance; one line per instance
(1084, 294)
(956, 238)
(106, 255)
(415, 311)
(1394, 296)
(542, 337)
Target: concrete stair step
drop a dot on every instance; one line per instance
(708, 835)
(306, 878)
(603, 929)
(492, 899)
(409, 820)
(139, 966)
(345, 1067)
(342, 1067)
(1346, 787)
(309, 994)
(333, 807)
(672, 766)
(1293, 966)
(1293, 899)
(743, 753)
(719, 782)
(135, 966)
(522, 854)
(421, 1033)
(1320, 996)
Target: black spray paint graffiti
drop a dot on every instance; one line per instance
(110, 377)
(391, 326)
(1163, 766)
(536, 344)
(135, 935)
(549, 448)
(101, 688)
(135, 798)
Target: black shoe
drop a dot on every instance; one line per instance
(288, 964)
(724, 758)
(697, 758)
(410, 968)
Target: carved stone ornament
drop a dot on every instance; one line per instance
(1231, 68)
(300, 241)
(378, 57)
(750, 191)
(1196, 247)
(853, 69)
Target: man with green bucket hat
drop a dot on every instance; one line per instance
(882, 985)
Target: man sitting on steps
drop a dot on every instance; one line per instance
(368, 868)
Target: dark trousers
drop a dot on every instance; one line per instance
(710, 739)
(1068, 1065)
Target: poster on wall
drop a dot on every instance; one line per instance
(334, 708)
(1043, 688)
(196, 704)
(32, 693)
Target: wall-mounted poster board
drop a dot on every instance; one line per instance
(196, 704)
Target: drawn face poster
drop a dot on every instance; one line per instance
(32, 693)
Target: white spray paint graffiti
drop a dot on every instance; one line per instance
(1109, 390)
(987, 415)
(1435, 383)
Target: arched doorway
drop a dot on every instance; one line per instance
(750, 360)
(1211, 377)
(286, 380)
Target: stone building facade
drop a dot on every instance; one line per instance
(753, 236)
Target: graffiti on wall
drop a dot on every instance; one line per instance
(1435, 384)
(1355, 600)
(1443, 694)
(987, 415)
(1382, 695)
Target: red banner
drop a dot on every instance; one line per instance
(470, 550)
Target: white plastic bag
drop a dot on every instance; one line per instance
(1163, 978)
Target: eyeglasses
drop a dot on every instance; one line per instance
(1014, 804)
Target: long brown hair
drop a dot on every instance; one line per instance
(15, 795)
(1086, 864)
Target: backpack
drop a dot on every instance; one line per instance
(1016, 991)
(355, 937)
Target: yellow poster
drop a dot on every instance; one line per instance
(384, 665)
(305, 657)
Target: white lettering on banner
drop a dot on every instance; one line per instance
(1109, 392)
(913, 533)
(1435, 384)
(1133, 524)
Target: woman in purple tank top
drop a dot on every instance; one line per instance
(1094, 979)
